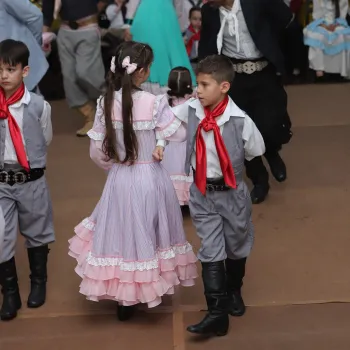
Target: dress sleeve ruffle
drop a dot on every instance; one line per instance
(97, 135)
(98, 130)
(166, 123)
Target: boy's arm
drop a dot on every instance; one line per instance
(254, 144)
(27, 13)
(45, 122)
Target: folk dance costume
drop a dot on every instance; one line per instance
(162, 32)
(79, 46)
(132, 249)
(174, 163)
(220, 204)
(328, 37)
(25, 132)
(244, 35)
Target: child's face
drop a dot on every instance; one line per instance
(209, 91)
(11, 77)
(196, 20)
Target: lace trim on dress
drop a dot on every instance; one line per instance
(96, 136)
(181, 178)
(169, 130)
(139, 265)
(166, 254)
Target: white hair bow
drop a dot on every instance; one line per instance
(112, 68)
(130, 67)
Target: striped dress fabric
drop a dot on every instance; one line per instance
(132, 248)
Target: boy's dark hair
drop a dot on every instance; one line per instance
(219, 67)
(194, 9)
(14, 52)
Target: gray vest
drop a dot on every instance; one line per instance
(32, 133)
(232, 136)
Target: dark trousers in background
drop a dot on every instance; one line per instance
(262, 96)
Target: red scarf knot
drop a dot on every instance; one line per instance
(207, 124)
(14, 129)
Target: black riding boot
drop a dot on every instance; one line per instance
(216, 321)
(38, 277)
(124, 313)
(11, 299)
(257, 172)
(235, 270)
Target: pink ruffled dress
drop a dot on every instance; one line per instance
(132, 248)
(174, 162)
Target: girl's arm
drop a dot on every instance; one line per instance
(168, 126)
(97, 135)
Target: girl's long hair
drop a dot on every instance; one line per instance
(179, 83)
(142, 55)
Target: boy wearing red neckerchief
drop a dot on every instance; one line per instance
(25, 132)
(193, 33)
(220, 137)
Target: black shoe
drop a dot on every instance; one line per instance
(216, 322)
(259, 193)
(11, 299)
(235, 271)
(38, 267)
(236, 305)
(124, 313)
(277, 166)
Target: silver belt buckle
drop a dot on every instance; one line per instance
(210, 188)
(24, 178)
(249, 67)
(6, 176)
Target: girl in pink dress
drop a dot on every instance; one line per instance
(180, 90)
(132, 248)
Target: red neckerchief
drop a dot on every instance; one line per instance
(195, 37)
(15, 131)
(207, 124)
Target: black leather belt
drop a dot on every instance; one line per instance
(215, 184)
(12, 177)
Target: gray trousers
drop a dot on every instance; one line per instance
(29, 207)
(223, 223)
(81, 63)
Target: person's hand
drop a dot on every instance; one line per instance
(158, 153)
(127, 35)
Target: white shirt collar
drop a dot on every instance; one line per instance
(232, 110)
(24, 100)
(230, 17)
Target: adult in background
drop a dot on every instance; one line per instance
(155, 22)
(249, 33)
(79, 47)
(22, 21)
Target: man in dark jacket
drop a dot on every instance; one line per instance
(249, 33)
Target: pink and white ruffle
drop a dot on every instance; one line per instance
(130, 282)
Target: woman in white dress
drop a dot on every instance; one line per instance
(328, 38)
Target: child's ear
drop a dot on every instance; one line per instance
(225, 87)
(25, 71)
